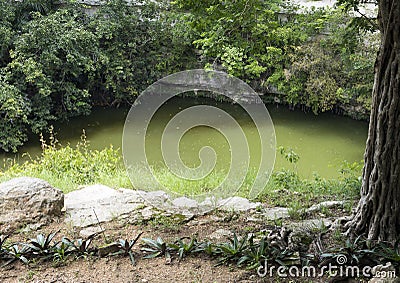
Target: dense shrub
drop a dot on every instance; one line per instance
(57, 61)
(317, 58)
(331, 70)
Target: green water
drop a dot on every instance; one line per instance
(323, 142)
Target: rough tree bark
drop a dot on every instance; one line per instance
(378, 212)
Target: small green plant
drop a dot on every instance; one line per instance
(3, 239)
(296, 211)
(284, 257)
(207, 247)
(166, 223)
(232, 250)
(355, 251)
(61, 250)
(256, 253)
(80, 247)
(289, 154)
(42, 245)
(389, 252)
(287, 179)
(16, 252)
(125, 247)
(156, 248)
(185, 246)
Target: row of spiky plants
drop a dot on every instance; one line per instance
(251, 250)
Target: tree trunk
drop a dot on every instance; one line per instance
(378, 212)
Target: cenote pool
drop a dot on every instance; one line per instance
(323, 142)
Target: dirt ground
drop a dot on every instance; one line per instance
(119, 269)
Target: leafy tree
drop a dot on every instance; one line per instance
(311, 57)
(246, 37)
(7, 15)
(14, 112)
(51, 63)
(333, 69)
(137, 45)
(56, 61)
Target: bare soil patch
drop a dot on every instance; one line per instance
(198, 268)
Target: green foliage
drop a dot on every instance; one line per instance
(7, 15)
(125, 247)
(133, 43)
(256, 254)
(56, 61)
(47, 70)
(81, 247)
(232, 250)
(61, 251)
(185, 246)
(389, 253)
(245, 37)
(355, 251)
(14, 112)
(287, 188)
(316, 58)
(297, 211)
(156, 248)
(208, 248)
(331, 70)
(50, 67)
(17, 252)
(42, 245)
(251, 250)
(166, 223)
(3, 239)
(289, 154)
(68, 167)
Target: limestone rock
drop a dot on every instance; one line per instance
(99, 203)
(185, 202)
(319, 223)
(27, 200)
(275, 213)
(237, 204)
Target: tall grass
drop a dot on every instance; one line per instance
(69, 167)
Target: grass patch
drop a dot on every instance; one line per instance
(68, 167)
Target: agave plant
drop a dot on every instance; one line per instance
(256, 253)
(156, 248)
(354, 251)
(80, 247)
(42, 246)
(207, 247)
(232, 250)
(3, 239)
(125, 247)
(185, 246)
(389, 252)
(16, 252)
